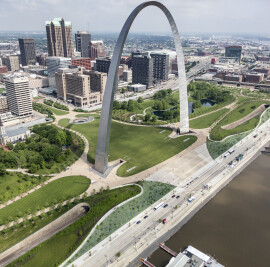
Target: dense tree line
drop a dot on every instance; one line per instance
(60, 106)
(48, 102)
(42, 109)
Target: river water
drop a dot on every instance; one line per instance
(234, 226)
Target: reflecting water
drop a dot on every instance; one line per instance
(207, 103)
(235, 225)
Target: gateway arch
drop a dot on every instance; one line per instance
(102, 150)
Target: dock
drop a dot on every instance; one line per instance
(168, 250)
(147, 263)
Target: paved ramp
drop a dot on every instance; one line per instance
(43, 234)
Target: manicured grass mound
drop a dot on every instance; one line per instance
(141, 147)
(207, 120)
(48, 195)
(152, 192)
(55, 250)
(241, 111)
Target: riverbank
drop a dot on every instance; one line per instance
(178, 225)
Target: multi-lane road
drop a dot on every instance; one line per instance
(133, 238)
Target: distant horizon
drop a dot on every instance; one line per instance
(156, 33)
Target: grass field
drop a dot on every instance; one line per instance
(207, 120)
(13, 184)
(15, 234)
(57, 112)
(241, 111)
(54, 192)
(60, 246)
(141, 147)
(218, 134)
(2, 90)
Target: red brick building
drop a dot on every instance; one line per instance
(82, 62)
(3, 69)
(254, 78)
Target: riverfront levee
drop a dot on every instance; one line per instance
(233, 226)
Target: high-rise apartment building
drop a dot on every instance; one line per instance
(12, 62)
(28, 52)
(160, 66)
(83, 39)
(97, 49)
(81, 87)
(55, 63)
(59, 38)
(233, 51)
(142, 69)
(18, 96)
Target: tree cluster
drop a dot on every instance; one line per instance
(41, 150)
(204, 90)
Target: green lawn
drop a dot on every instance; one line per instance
(2, 90)
(141, 147)
(57, 112)
(60, 246)
(54, 192)
(15, 234)
(218, 134)
(207, 120)
(13, 184)
(241, 111)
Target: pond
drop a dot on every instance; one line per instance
(205, 103)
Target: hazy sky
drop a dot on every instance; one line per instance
(109, 15)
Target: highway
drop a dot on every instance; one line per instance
(131, 239)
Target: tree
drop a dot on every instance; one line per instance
(124, 105)
(33, 168)
(147, 117)
(154, 118)
(2, 170)
(116, 105)
(140, 100)
(169, 91)
(10, 146)
(197, 104)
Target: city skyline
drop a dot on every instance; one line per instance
(192, 16)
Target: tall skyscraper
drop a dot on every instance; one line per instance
(18, 96)
(28, 52)
(142, 69)
(12, 62)
(59, 38)
(160, 66)
(97, 49)
(83, 39)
